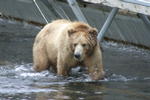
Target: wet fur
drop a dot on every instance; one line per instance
(53, 48)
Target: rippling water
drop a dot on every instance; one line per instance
(127, 71)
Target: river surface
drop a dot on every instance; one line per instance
(127, 71)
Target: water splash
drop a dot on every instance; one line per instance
(24, 78)
(115, 77)
(125, 48)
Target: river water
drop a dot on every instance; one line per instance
(127, 71)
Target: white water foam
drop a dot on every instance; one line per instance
(25, 90)
(126, 48)
(115, 77)
(147, 78)
(25, 72)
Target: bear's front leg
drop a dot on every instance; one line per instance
(95, 65)
(40, 59)
(96, 71)
(62, 68)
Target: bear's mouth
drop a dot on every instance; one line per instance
(79, 60)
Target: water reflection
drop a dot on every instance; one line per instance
(74, 91)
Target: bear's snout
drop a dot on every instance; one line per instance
(78, 53)
(77, 56)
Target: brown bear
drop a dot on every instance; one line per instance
(63, 44)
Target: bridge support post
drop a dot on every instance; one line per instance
(76, 10)
(107, 23)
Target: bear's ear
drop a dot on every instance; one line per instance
(71, 31)
(93, 32)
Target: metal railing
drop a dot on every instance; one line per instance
(140, 2)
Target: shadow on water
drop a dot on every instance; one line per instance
(127, 69)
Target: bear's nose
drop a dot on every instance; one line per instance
(77, 56)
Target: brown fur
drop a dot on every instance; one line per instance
(55, 44)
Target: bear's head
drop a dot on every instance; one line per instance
(83, 40)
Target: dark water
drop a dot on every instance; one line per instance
(127, 69)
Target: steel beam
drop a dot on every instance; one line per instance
(107, 23)
(76, 10)
(40, 11)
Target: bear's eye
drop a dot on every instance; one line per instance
(75, 44)
(84, 45)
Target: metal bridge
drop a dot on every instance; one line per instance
(139, 6)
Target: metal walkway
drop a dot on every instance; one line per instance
(138, 6)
